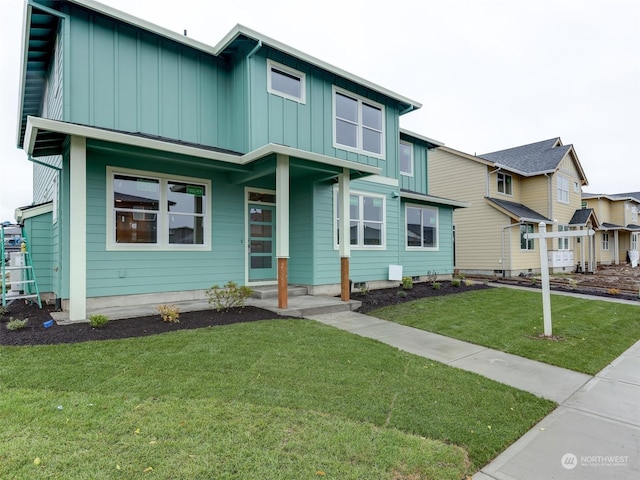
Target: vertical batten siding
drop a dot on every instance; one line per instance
(309, 126)
(38, 230)
(124, 273)
(132, 80)
(301, 261)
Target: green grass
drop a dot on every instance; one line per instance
(592, 332)
(286, 399)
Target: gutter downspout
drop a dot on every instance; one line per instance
(549, 197)
(249, 83)
(33, 160)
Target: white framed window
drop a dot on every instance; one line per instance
(563, 242)
(286, 82)
(605, 240)
(526, 244)
(367, 214)
(634, 241)
(634, 214)
(405, 156)
(421, 227)
(563, 189)
(505, 183)
(576, 187)
(152, 211)
(358, 124)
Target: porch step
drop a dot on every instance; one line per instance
(309, 305)
(271, 291)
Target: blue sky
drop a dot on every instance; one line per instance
(491, 74)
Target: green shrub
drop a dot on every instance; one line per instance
(169, 313)
(402, 293)
(573, 283)
(468, 283)
(455, 282)
(98, 320)
(229, 296)
(16, 323)
(436, 285)
(3, 311)
(407, 283)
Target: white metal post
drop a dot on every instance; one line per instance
(544, 271)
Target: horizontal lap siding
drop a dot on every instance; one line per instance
(38, 230)
(120, 273)
(131, 80)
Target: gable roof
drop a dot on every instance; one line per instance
(518, 211)
(581, 217)
(615, 197)
(39, 32)
(532, 159)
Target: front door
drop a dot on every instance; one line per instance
(261, 242)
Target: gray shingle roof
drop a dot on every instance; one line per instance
(581, 217)
(520, 211)
(531, 159)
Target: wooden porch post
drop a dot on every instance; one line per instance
(344, 227)
(282, 228)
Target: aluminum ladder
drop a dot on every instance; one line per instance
(17, 268)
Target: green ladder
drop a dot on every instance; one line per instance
(17, 269)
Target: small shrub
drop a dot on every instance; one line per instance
(364, 289)
(16, 324)
(532, 281)
(436, 285)
(461, 276)
(3, 311)
(455, 282)
(169, 313)
(407, 283)
(402, 293)
(229, 296)
(468, 283)
(98, 320)
(573, 283)
(613, 291)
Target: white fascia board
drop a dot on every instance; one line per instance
(421, 137)
(248, 32)
(26, 26)
(468, 156)
(22, 213)
(145, 25)
(34, 124)
(524, 174)
(437, 200)
(232, 35)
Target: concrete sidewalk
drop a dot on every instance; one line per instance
(595, 432)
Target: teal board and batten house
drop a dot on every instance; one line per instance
(172, 165)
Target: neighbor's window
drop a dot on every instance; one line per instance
(605, 240)
(367, 224)
(406, 158)
(563, 242)
(634, 214)
(505, 184)
(422, 227)
(156, 211)
(563, 190)
(358, 124)
(286, 82)
(524, 243)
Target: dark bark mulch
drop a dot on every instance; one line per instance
(36, 334)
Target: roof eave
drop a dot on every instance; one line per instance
(435, 200)
(26, 26)
(433, 142)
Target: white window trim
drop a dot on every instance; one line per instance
(504, 175)
(410, 145)
(560, 189)
(163, 229)
(406, 229)
(360, 100)
(531, 240)
(564, 243)
(360, 207)
(605, 241)
(303, 81)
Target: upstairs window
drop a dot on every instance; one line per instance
(406, 158)
(358, 124)
(286, 82)
(505, 184)
(563, 190)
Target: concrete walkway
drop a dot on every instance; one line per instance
(593, 434)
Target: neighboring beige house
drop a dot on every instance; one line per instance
(510, 192)
(619, 233)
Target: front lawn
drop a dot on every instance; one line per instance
(591, 332)
(285, 399)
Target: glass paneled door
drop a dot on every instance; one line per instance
(262, 242)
